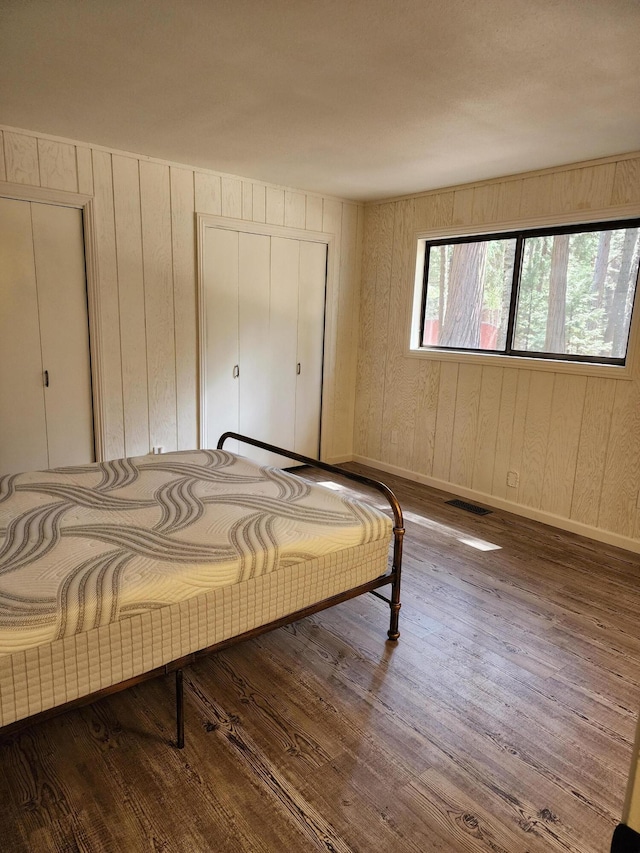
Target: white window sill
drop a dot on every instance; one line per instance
(607, 371)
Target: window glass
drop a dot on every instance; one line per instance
(468, 294)
(576, 293)
(560, 293)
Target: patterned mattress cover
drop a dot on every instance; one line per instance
(82, 548)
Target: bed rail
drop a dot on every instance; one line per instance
(393, 577)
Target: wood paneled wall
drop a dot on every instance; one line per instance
(573, 439)
(145, 219)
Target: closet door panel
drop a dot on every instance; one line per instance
(221, 271)
(254, 293)
(310, 337)
(64, 333)
(23, 434)
(283, 342)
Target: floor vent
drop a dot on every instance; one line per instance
(476, 510)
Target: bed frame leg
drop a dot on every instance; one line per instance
(179, 709)
(398, 535)
(393, 633)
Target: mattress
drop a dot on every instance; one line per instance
(110, 570)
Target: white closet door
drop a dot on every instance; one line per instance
(23, 433)
(254, 312)
(64, 332)
(263, 306)
(283, 342)
(220, 344)
(310, 339)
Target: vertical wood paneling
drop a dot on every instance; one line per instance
(158, 290)
(21, 158)
(510, 200)
(487, 432)
(378, 351)
(3, 171)
(562, 448)
(126, 196)
(626, 182)
(294, 210)
(496, 202)
(519, 425)
(232, 198)
(434, 211)
(347, 329)
(57, 165)
(485, 203)
(313, 213)
(536, 434)
(247, 200)
(402, 375)
(426, 414)
(275, 206)
(537, 196)
(618, 498)
(366, 340)
(146, 259)
(85, 170)
(465, 424)
(592, 449)
(445, 420)
(554, 430)
(463, 206)
(504, 432)
(259, 203)
(354, 284)
(583, 189)
(184, 299)
(110, 356)
(332, 224)
(208, 193)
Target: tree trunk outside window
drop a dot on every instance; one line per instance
(461, 327)
(557, 308)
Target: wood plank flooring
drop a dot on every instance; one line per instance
(501, 721)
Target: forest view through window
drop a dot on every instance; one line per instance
(559, 293)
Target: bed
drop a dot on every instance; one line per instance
(119, 571)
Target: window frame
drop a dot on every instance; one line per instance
(568, 362)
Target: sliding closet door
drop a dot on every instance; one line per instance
(46, 415)
(281, 404)
(220, 354)
(310, 339)
(254, 327)
(23, 432)
(263, 324)
(64, 332)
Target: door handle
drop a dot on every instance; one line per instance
(298, 369)
(46, 379)
(236, 371)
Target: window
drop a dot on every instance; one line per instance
(558, 293)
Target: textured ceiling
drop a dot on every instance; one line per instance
(358, 98)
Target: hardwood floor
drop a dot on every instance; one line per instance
(501, 721)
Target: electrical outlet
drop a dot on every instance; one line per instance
(513, 478)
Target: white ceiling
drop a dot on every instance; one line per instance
(357, 98)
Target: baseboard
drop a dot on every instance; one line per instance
(339, 460)
(625, 840)
(587, 530)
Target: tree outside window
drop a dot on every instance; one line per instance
(565, 293)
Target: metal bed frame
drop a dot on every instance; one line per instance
(391, 577)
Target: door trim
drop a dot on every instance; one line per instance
(205, 221)
(85, 203)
